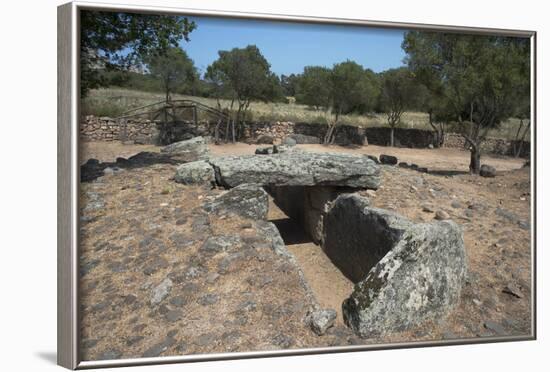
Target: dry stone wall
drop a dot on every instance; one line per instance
(139, 130)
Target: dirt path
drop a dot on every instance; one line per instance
(328, 283)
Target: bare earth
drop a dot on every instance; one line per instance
(139, 228)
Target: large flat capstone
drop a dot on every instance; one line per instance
(405, 273)
(298, 169)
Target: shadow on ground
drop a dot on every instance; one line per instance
(291, 232)
(93, 168)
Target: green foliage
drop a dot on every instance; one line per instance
(117, 40)
(398, 94)
(289, 84)
(243, 74)
(482, 79)
(173, 69)
(314, 87)
(353, 89)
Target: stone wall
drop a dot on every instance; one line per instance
(94, 128)
(497, 146)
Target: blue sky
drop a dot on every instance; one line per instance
(291, 46)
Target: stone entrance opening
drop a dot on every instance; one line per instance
(327, 282)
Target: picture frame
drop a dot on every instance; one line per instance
(69, 175)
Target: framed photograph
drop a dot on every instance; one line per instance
(235, 185)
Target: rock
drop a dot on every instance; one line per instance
(427, 208)
(513, 290)
(373, 158)
(487, 171)
(304, 139)
(456, 204)
(173, 315)
(157, 349)
(194, 172)
(494, 327)
(160, 292)
(388, 159)
(403, 165)
(209, 299)
(178, 301)
(422, 169)
(279, 149)
(217, 244)
(264, 150)
(265, 140)
(289, 141)
(297, 169)
(527, 164)
(321, 320)
(187, 151)
(246, 200)
(405, 273)
(430, 146)
(110, 354)
(442, 215)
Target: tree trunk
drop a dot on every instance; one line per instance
(391, 136)
(475, 160)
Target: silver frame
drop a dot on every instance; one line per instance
(68, 184)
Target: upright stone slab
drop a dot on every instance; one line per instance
(298, 169)
(412, 272)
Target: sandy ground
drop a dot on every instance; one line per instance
(436, 159)
(139, 205)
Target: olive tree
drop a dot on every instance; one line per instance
(398, 94)
(480, 76)
(174, 69)
(243, 75)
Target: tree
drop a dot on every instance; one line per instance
(351, 88)
(398, 93)
(173, 68)
(314, 87)
(289, 84)
(244, 75)
(480, 76)
(118, 40)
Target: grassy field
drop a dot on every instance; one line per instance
(114, 101)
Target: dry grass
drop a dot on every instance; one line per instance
(114, 101)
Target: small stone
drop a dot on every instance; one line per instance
(413, 188)
(477, 302)
(487, 171)
(178, 301)
(132, 340)
(321, 320)
(110, 354)
(209, 299)
(442, 215)
(456, 204)
(513, 290)
(206, 339)
(427, 208)
(157, 349)
(388, 159)
(494, 327)
(160, 292)
(212, 277)
(173, 315)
